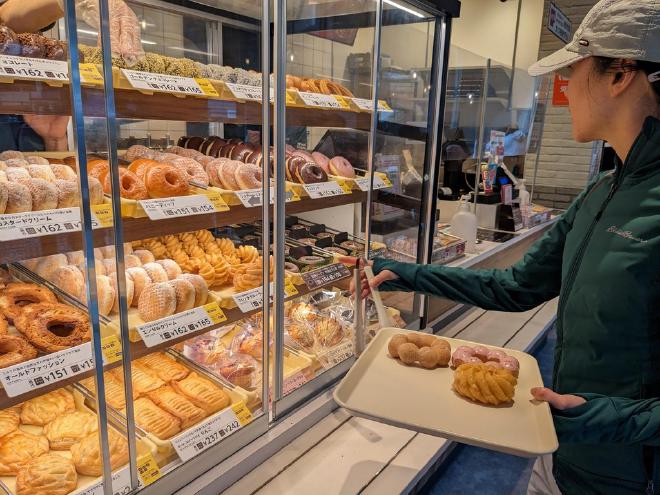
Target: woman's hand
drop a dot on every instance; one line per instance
(51, 128)
(381, 277)
(556, 400)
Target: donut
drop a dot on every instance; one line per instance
(511, 364)
(96, 195)
(225, 151)
(47, 265)
(214, 148)
(67, 193)
(193, 170)
(131, 261)
(322, 161)
(63, 172)
(341, 167)
(247, 176)
(4, 197)
(70, 279)
(492, 355)
(17, 174)
(240, 152)
(305, 154)
(165, 181)
(324, 86)
(310, 173)
(41, 172)
(16, 163)
(145, 256)
(182, 141)
(174, 149)
(205, 160)
(52, 327)
(136, 151)
(44, 194)
(75, 257)
(482, 353)
(130, 293)
(291, 267)
(185, 294)
(15, 350)
(291, 165)
(10, 154)
(156, 272)
(194, 142)
(105, 294)
(95, 168)
(227, 175)
(208, 143)
(166, 157)
(189, 153)
(140, 279)
(130, 187)
(157, 301)
(140, 166)
(200, 286)
(171, 267)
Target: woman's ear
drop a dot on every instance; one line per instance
(623, 77)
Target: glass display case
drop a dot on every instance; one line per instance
(159, 202)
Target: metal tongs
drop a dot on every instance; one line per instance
(358, 314)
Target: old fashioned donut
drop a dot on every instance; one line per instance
(52, 327)
(17, 296)
(70, 279)
(193, 170)
(140, 166)
(248, 176)
(322, 161)
(140, 279)
(63, 172)
(130, 186)
(41, 172)
(19, 198)
(15, 350)
(95, 191)
(67, 193)
(200, 286)
(185, 294)
(44, 194)
(157, 301)
(342, 167)
(105, 294)
(165, 181)
(156, 272)
(311, 173)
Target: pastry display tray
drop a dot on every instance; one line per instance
(382, 388)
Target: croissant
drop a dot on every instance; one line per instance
(485, 384)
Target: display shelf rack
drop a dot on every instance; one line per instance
(143, 228)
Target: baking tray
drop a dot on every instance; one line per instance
(381, 388)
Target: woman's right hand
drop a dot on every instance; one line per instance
(365, 289)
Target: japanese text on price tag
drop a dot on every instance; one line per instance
(292, 382)
(335, 355)
(253, 299)
(39, 223)
(363, 183)
(207, 88)
(162, 82)
(33, 68)
(175, 326)
(46, 370)
(245, 92)
(325, 275)
(111, 348)
(325, 189)
(320, 100)
(182, 206)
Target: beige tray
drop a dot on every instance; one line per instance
(380, 387)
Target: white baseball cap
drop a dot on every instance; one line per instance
(614, 29)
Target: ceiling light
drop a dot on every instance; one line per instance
(87, 31)
(405, 9)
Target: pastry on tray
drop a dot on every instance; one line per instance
(43, 409)
(203, 393)
(17, 448)
(154, 420)
(67, 429)
(86, 454)
(177, 405)
(49, 474)
(10, 419)
(484, 384)
(114, 390)
(164, 367)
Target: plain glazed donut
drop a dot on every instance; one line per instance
(165, 181)
(15, 350)
(157, 301)
(310, 173)
(322, 161)
(145, 256)
(70, 279)
(171, 267)
(130, 187)
(17, 296)
(140, 166)
(341, 167)
(41, 323)
(67, 193)
(156, 272)
(44, 194)
(96, 196)
(140, 279)
(105, 294)
(248, 176)
(226, 171)
(193, 170)
(41, 172)
(185, 294)
(201, 288)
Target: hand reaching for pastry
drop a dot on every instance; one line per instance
(379, 278)
(558, 401)
(51, 128)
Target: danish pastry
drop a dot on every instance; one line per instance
(41, 410)
(484, 384)
(114, 390)
(86, 454)
(164, 367)
(18, 448)
(70, 428)
(9, 421)
(52, 327)
(177, 405)
(17, 296)
(203, 393)
(141, 378)
(49, 474)
(154, 420)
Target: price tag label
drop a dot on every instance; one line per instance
(33, 68)
(47, 370)
(254, 197)
(207, 88)
(379, 183)
(245, 92)
(162, 83)
(148, 470)
(90, 74)
(207, 434)
(102, 215)
(39, 223)
(216, 199)
(242, 412)
(180, 324)
(344, 102)
(325, 189)
(290, 383)
(325, 275)
(181, 206)
(364, 104)
(337, 354)
(290, 96)
(253, 299)
(319, 100)
(111, 348)
(383, 106)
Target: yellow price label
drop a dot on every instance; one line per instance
(148, 469)
(345, 187)
(290, 290)
(385, 178)
(382, 105)
(111, 348)
(215, 313)
(207, 87)
(291, 195)
(343, 102)
(103, 214)
(216, 199)
(290, 98)
(90, 74)
(243, 414)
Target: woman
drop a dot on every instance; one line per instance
(602, 257)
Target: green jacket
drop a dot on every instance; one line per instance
(602, 258)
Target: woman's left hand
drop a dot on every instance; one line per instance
(556, 400)
(51, 128)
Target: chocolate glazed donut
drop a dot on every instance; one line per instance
(240, 152)
(183, 140)
(225, 151)
(292, 164)
(215, 147)
(310, 173)
(208, 143)
(194, 142)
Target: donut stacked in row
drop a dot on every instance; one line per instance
(33, 183)
(323, 86)
(33, 45)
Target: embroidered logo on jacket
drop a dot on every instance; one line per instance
(626, 234)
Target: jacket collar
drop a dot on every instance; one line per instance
(644, 156)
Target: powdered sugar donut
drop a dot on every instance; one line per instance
(67, 193)
(157, 301)
(192, 169)
(44, 194)
(9, 154)
(63, 172)
(17, 174)
(137, 151)
(156, 272)
(41, 172)
(36, 160)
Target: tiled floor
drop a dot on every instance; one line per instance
(475, 470)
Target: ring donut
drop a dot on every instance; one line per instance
(140, 166)
(193, 170)
(130, 187)
(97, 167)
(15, 350)
(165, 181)
(52, 327)
(248, 176)
(342, 167)
(322, 161)
(17, 296)
(310, 173)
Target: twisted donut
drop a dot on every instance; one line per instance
(247, 254)
(203, 268)
(484, 383)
